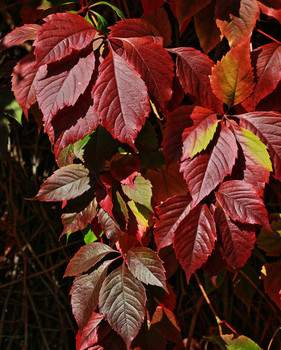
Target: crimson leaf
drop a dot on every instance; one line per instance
(170, 214)
(193, 70)
(268, 70)
(66, 183)
(242, 203)
(120, 98)
(60, 35)
(19, 35)
(236, 242)
(177, 121)
(122, 301)
(89, 334)
(23, 77)
(87, 257)
(194, 239)
(132, 28)
(154, 65)
(146, 266)
(60, 84)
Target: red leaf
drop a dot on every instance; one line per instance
(110, 227)
(150, 6)
(120, 98)
(170, 214)
(166, 182)
(104, 193)
(242, 203)
(78, 221)
(66, 183)
(19, 35)
(132, 28)
(23, 77)
(85, 294)
(146, 266)
(122, 301)
(186, 9)
(232, 78)
(205, 172)
(193, 70)
(267, 126)
(268, 69)
(160, 20)
(194, 239)
(272, 3)
(196, 138)
(236, 242)
(272, 281)
(72, 123)
(271, 12)
(60, 35)
(235, 23)
(206, 28)
(125, 169)
(178, 120)
(154, 65)
(60, 84)
(87, 257)
(89, 335)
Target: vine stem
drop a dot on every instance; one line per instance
(270, 37)
(209, 302)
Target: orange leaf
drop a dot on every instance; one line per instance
(232, 78)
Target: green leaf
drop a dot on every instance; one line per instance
(230, 342)
(14, 110)
(257, 149)
(89, 235)
(143, 192)
(102, 22)
(270, 242)
(118, 12)
(142, 215)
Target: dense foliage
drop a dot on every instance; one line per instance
(165, 129)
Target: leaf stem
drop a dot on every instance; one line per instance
(209, 303)
(274, 335)
(270, 37)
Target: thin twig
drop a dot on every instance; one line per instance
(218, 320)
